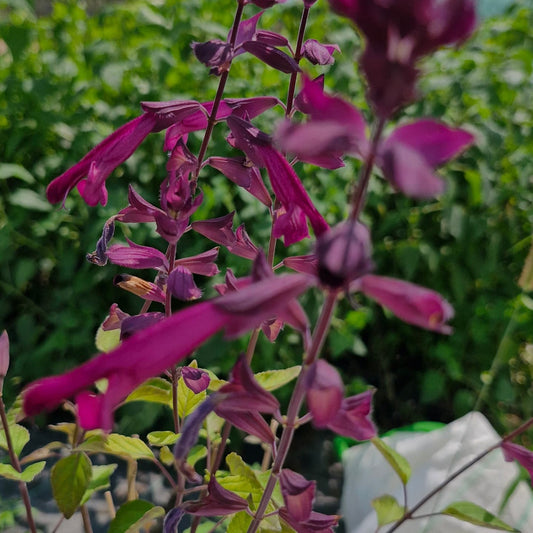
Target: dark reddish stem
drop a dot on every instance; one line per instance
(297, 57)
(16, 465)
(220, 90)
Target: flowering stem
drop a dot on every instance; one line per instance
(359, 194)
(295, 404)
(220, 90)
(297, 57)
(23, 488)
(409, 514)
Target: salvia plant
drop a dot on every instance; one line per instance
(145, 353)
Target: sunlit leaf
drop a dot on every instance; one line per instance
(398, 462)
(134, 515)
(387, 509)
(119, 445)
(474, 514)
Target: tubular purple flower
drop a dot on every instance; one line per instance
(298, 494)
(411, 303)
(173, 519)
(203, 263)
(151, 351)
(272, 56)
(137, 256)
(515, 452)
(353, 418)
(90, 173)
(219, 502)
(181, 284)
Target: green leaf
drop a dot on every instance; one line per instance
(398, 462)
(197, 452)
(387, 509)
(162, 438)
(166, 456)
(133, 515)
(26, 475)
(119, 445)
(70, 479)
(106, 341)
(239, 522)
(29, 199)
(187, 399)
(274, 379)
(19, 437)
(10, 170)
(155, 390)
(99, 480)
(474, 514)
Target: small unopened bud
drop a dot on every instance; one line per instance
(4, 357)
(344, 254)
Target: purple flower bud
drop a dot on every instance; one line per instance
(344, 254)
(409, 302)
(325, 392)
(353, 418)
(272, 38)
(219, 502)
(272, 56)
(318, 53)
(215, 54)
(99, 257)
(173, 519)
(196, 379)
(4, 357)
(181, 284)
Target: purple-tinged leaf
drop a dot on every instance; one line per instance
(318, 53)
(203, 264)
(409, 302)
(139, 287)
(302, 102)
(195, 379)
(325, 392)
(434, 141)
(215, 54)
(515, 452)
(298, 494)
(246, 176)
(251, 422)
(99, 257)
(353, 418)
(137, 256)
(291, 224)
(344, 254)
(250, 139)
(139, 210)
(173, 519)
(272, 56)
(305, 264)
(252, 107)
(181, 284)
(219, 230)
(246, 32)
(219, 502)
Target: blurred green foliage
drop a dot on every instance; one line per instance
(68, 79)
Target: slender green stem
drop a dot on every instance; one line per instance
(23, 488)
(297, 57)
(295, 404)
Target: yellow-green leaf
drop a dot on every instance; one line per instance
(166, 456)
(187, 399)
(19, 437)
(155, 390)
(239, 522)
(387, 509)
(397, 461)
(70, 478)
(99, 480)
(119, 445)
(274, 379)
(474, 514)
(106, 341)
(197, 452)
(27, 475)
(162, 438)
(134, 515)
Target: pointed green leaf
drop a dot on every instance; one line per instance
(166, 456)
(10, 170)
(15, 413)
(387, 509)
(197, 452)
(239, 522)
(133, 515)
(19, 437)
(46, 451)
(105, 341)
(155, 390)
(119, 445)
(26, 475)
(274, 379)
(397, 461)
(70, 478)
(474, 514)
(162, 438)
(99, 480)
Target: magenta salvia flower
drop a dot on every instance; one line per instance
(410, 154)
(353, 418)
(219, 502)
(411, 303)
(515, 452)
(195, 379)
(136, 256)
(90, 173)
(4, 357)
(215, 54)
(151, 351)
(318, 53)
